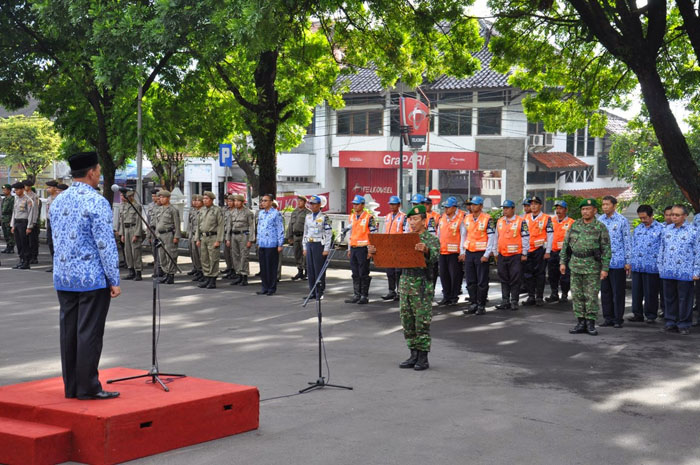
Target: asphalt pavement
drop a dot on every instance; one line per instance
(503, 388)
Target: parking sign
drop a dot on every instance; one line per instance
(225, 155)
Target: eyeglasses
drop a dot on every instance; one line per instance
(677, 214)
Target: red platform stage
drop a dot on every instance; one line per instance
(38, 425)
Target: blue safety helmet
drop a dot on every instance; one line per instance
(450, 202)
(561, 203)
(526, 202)
(417, 198)
(314, 199)
(508, 204)
(477, 200)
(358, 200)
(394, 200)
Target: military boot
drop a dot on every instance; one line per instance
(364, 290)
(196, 275)
(505, 300)
(422, 361)
(169, 279)
(390, 296)
(580, 328)
(192, 272)
(590, 328)
(410, 362)
(564, 299)
(211, 284)
(237, 280)
(471, 310)
(356, 292)
(131, 275)
(244, 280)
(552, 298)
(304, 276)
(204, 283)
(138, 276)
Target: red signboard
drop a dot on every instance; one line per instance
(380, 184)
(236, 188)
(466, 161)
(292, 201)
(415, 115)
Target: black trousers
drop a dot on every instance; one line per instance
(22, 240)
(49, 236)
(679, 303)
(510, 274)
(269, 260)
(557, 279)
(534, 273)
(612, 295)
(645, 294)
(477, 277)
(82, 326)
(392, 276)
(450, 275)
(314, 263)
(359, 263)
(34, 242)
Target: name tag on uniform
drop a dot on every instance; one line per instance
(482, 226)
(363, 222)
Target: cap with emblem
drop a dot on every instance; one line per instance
(314, 199)
(588, 203)
(7, 186)
(476, 200)
(62, 186)
(561, 203)
(508, 204)
(18, 185)
(209, 194)
(394, 200)
(165, 193)
(196, 197)
(526, 202)
(416, 210)
(417, 198)
(231, 197)
(83, 160)
(302, 197)
(52, 183)
(358, 200)
(534, 198)
(240, 197)
(450, 202)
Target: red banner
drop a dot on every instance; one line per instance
(416, 116)
(293, 201)
(380, 184)
(237, 188)
(466, 161)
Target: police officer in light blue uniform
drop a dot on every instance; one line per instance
(316, 243)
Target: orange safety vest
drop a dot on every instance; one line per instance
(538, 230)
(560, 230)
(509, 236)
(431, 215)
(359, 237)
(477, 236)
(393, 224)
(449, 233)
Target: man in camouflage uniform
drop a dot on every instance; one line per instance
(416, 290)
(8, 204)
(168, 231)
(192, 219)
(241, 236)
(210, 234)
(586, 250)
(295, 236)
(130, 232)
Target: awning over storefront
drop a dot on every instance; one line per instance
(558, 161)
(463, 161)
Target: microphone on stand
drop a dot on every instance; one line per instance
(116, 188)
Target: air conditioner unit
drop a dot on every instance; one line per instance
(549, 139)
(536, 140)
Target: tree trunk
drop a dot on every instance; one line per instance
(109, 168)
(671, 139)
(265, 132)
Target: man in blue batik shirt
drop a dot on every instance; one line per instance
(696, 308)
(85, 275)
(612, 288)
(679, 266)
(270, 240)
(646, 241)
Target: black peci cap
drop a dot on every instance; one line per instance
(83, 160)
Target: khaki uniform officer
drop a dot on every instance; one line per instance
(131, 235)
(192, 220)
(295, 235)
(241, 235)
(229, 272)
(152, 210)
(210, 234)
(168, 231)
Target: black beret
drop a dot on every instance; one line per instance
(18, 185)
(28, 183)
(83, 160)
(52, 183)
(62, 186)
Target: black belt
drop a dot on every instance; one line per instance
(21, 220)
(589, 253)
(165, 231)
(128, 225)
(298, 234)
(239, 232)
(208, 234)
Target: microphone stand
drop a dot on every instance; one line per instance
(320, 382)
(154, 373)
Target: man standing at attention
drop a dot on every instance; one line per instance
(241, 235)
(612, 289)
(586, 251)
(451, 234)
(209, 235)
(20, 225)
(646, 241)
(8, 204)
(362, 223)
(131, 234)
(295, 236)
(394, 223)
(270, 237)
(478, 247)
(168, 230)
(561, 224)
(513, 242)
(318, 235)
(86, 276)
(541, 237)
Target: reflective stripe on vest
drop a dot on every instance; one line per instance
(360, 230)
(477, 236)
(510, 241)
(449, 233)
(538, 230)
(560, 230)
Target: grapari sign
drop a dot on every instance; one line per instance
(461, 161)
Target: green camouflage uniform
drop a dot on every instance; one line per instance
(416, 290)
(586, 250)
(8, 205)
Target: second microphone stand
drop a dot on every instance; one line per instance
(154, 373)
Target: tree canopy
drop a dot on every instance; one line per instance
(30, 142)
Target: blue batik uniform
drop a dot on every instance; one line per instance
(612, 288)
(620, 239)
(85, 251)
(679, 263)
(270, 233)
(646, 241)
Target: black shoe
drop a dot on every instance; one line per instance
(684, 331)
(422, 361)
(25, 266)
(397, 297)
(270, 292)
(471, 310)
(580, 328)
(244, 281)
(650, 322)
(410, 362)
(138, 276)
(237, 280)
(299, 275)
(606, 323)
(204, 283)
(539, 302)
(363, 300)
(564, 299)
(353, 300)
(617, 325)
(34, 261)
(131, 275)
(305, 277)
(480, 310)
(590, 328)
(444, 301)
(552, 298)
(102, 395)
(529, 302)
(196, 276)
(669, 329)
(636, 319)
(211, 284)
(192, 272)
(503, 306)
(452, 302)
(261, 292)
(514, 306)
(17, 266)
(390, 296)
(50, 270)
